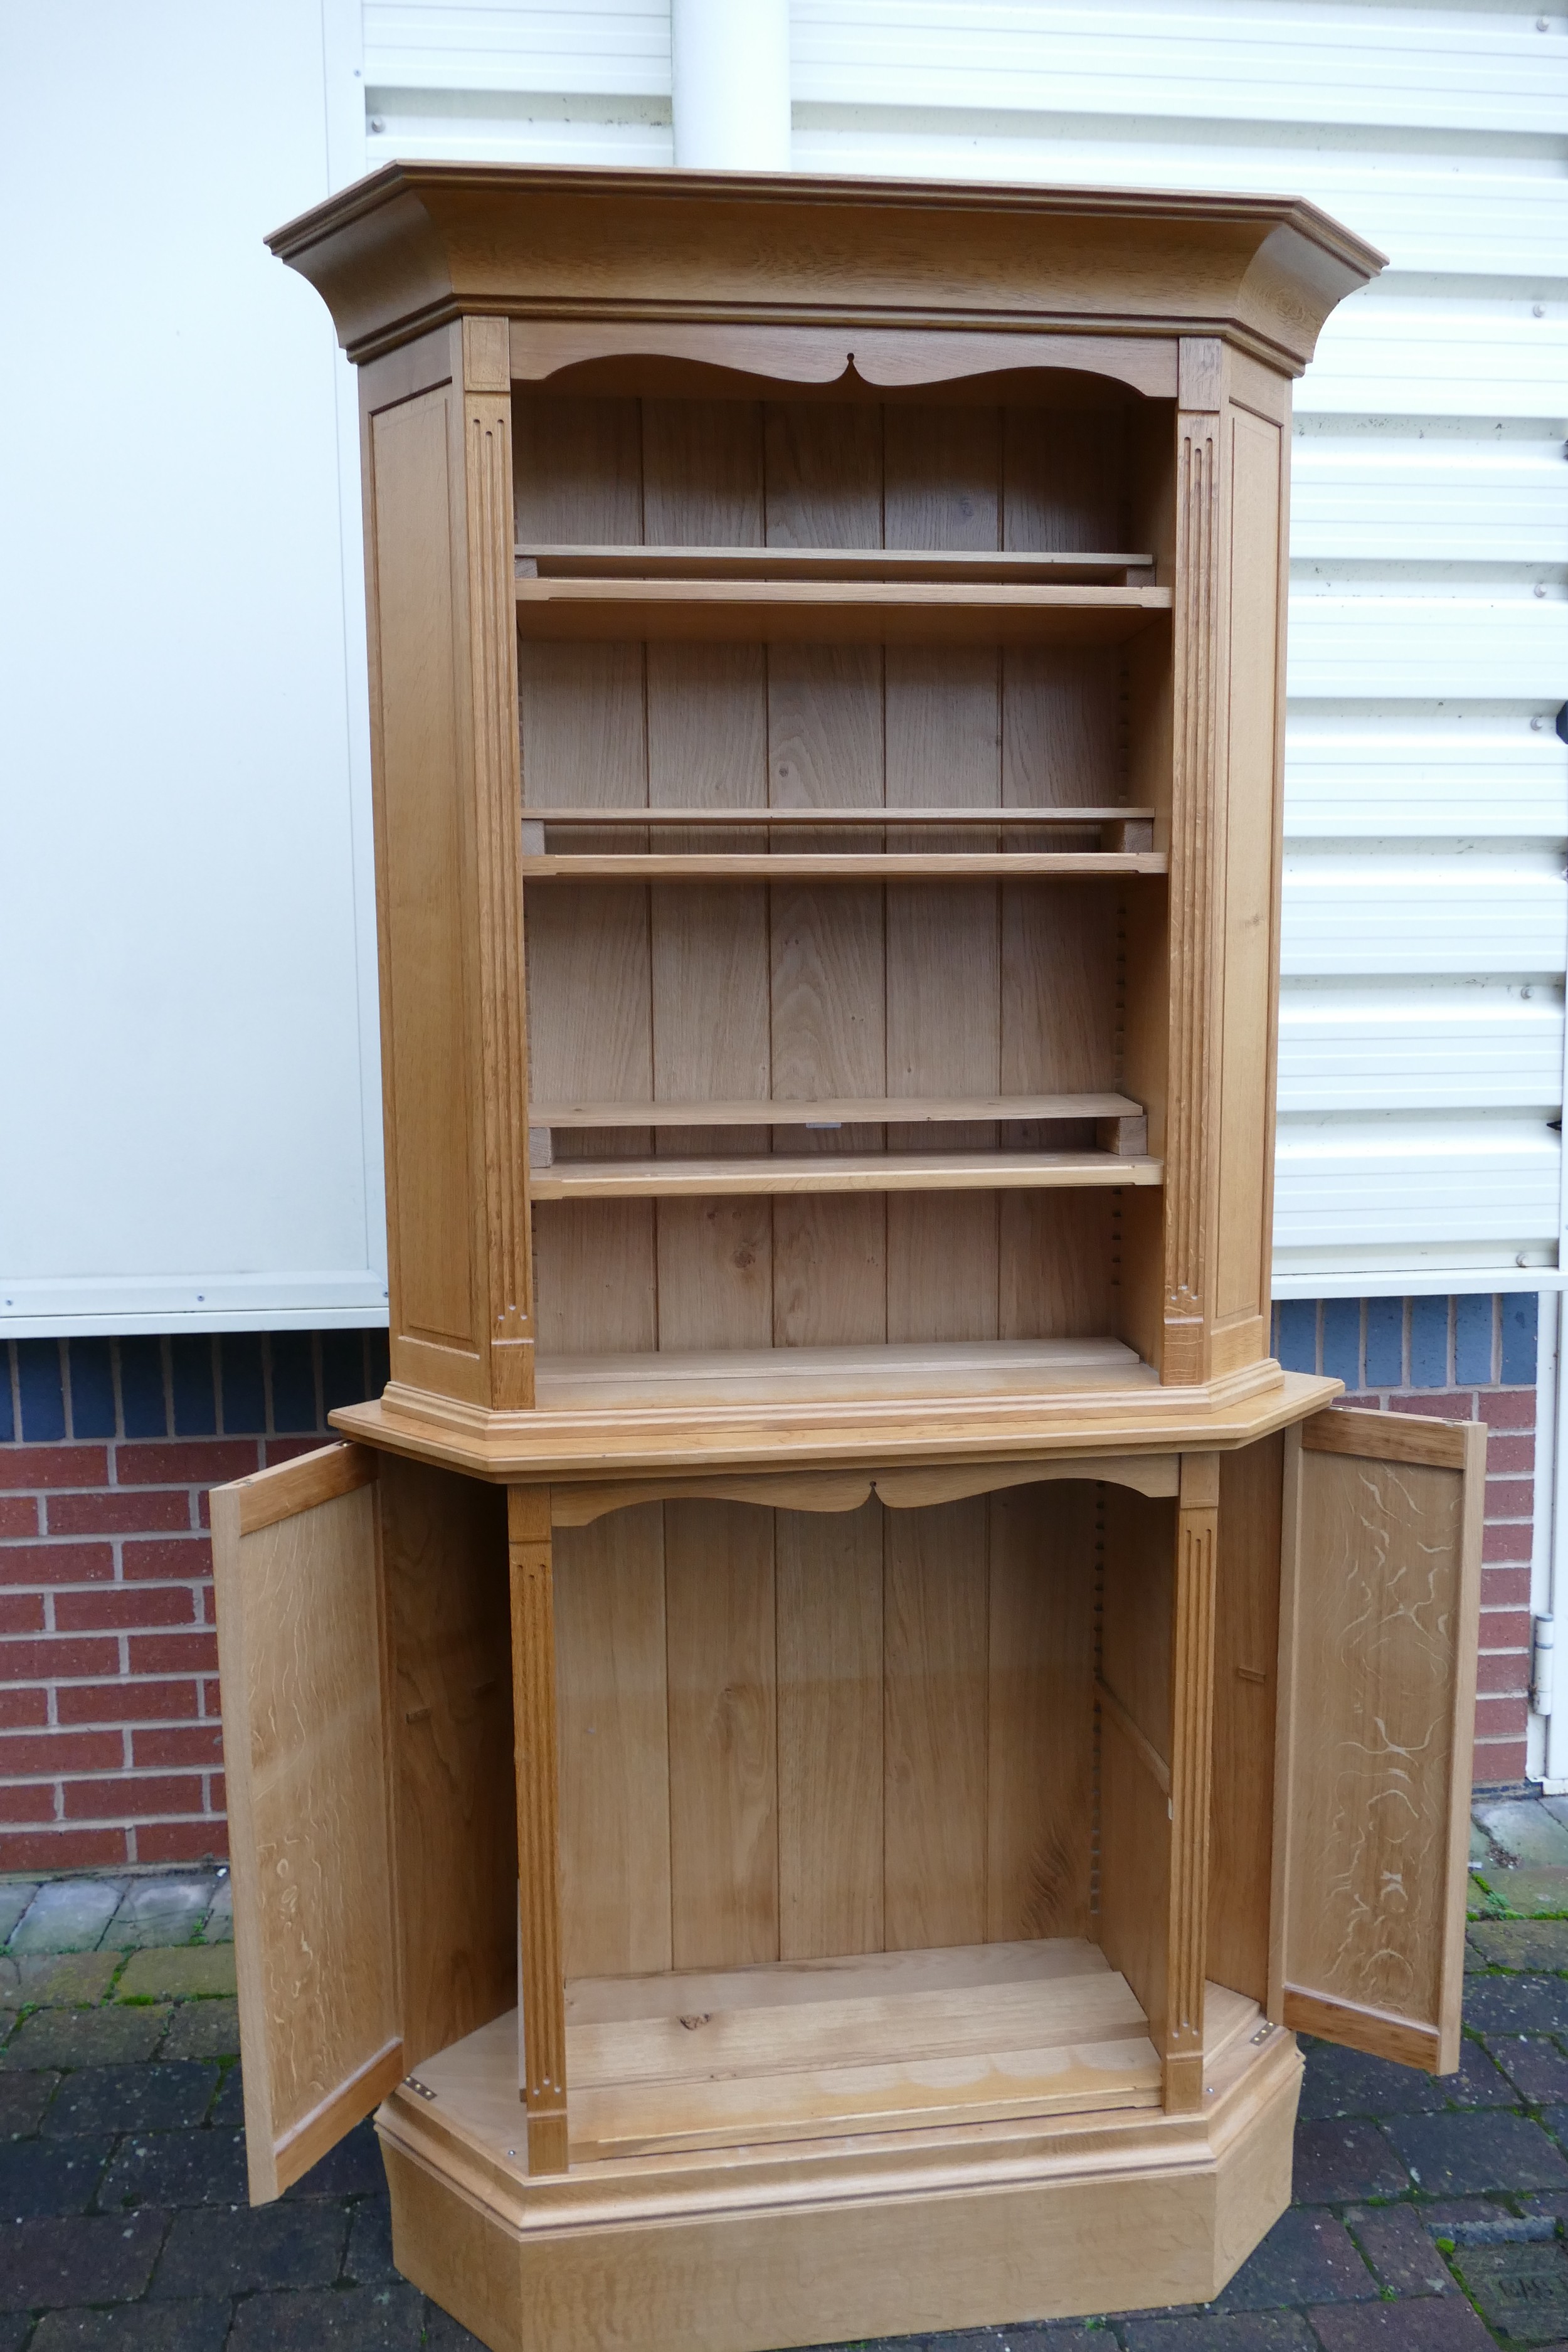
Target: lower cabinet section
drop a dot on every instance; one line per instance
(786, 1908)
(898, 2233)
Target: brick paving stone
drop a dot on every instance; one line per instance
(1398, 2246)
(1530, 1892)
(1433, 2323)
(70, 1915)
(445, 2333)
(1346, 2082)
(1474, 2221)
(1475, 1960)
(86, 2037)
(233, 2251)
(347, 2319)
(228, 2107)
(1336, 2161)
(23, 2098)
(55, 1979)
(369, 2257)
(51, 2175)
(1306, 2258)
(218, 1926)
(176, 2168)
(138, 2327)
(1520, 2291)
(1068, 2337)
(203, 2029)
(16, 1894)
(1213, 2331)
(1536, 2066)
(1451, 2154)
(158, 1973)
(167, 1910)
(1520, 1943)
(353, 2169)
(89, 2258)
(1525, 1831)
(15, 2327)
(131, 2098)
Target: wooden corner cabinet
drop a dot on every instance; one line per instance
(811, 1753)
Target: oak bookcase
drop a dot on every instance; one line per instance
(810, 1754)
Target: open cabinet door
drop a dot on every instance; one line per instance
(1379, 1609)
(299, 1651)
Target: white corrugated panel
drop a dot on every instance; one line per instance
(1425, 928)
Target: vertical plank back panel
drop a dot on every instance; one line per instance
(943, 718)
(1134, 1808)
(1039, 1783)
(1066, 479)
(444, 1552)
(936, 1635)
(723, 1759)
(829, 1585)
(613, 1709)
(830, 953)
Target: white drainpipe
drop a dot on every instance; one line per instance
(730, 84)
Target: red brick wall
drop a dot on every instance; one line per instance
(110, 1746)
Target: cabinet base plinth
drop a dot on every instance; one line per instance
(983, 2226)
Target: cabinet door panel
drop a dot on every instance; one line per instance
(301, 1657)
(1380, 1594)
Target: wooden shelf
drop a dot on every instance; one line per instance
(847, 1171)
(814, 611)
(671, 1380)
(873, 818)
(831, 866)
(867, 1111)
(826, 563)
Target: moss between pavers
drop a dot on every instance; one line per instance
(1525, 1943)
(176, 1972)
(56, 1980)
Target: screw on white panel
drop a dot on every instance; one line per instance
(1540, 588)
(377, 122)
(1538, 310)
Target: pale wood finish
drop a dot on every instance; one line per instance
(299, 1651)
(817, 563)
(809, 612)
(879, 1517)
(289, 1487)
(449, 1735)
(834, 866)
(888, 1171)
(840, 1111)
(540, 1973)
(1377, 1673)
(1071, 2213)
(1247, 1642)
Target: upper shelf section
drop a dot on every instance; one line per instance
(860, 611)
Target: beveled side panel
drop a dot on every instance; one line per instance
(424, 860)
(1249, 900)
(1378, 1628)
(444, 1548)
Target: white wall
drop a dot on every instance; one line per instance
(188, 1060)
